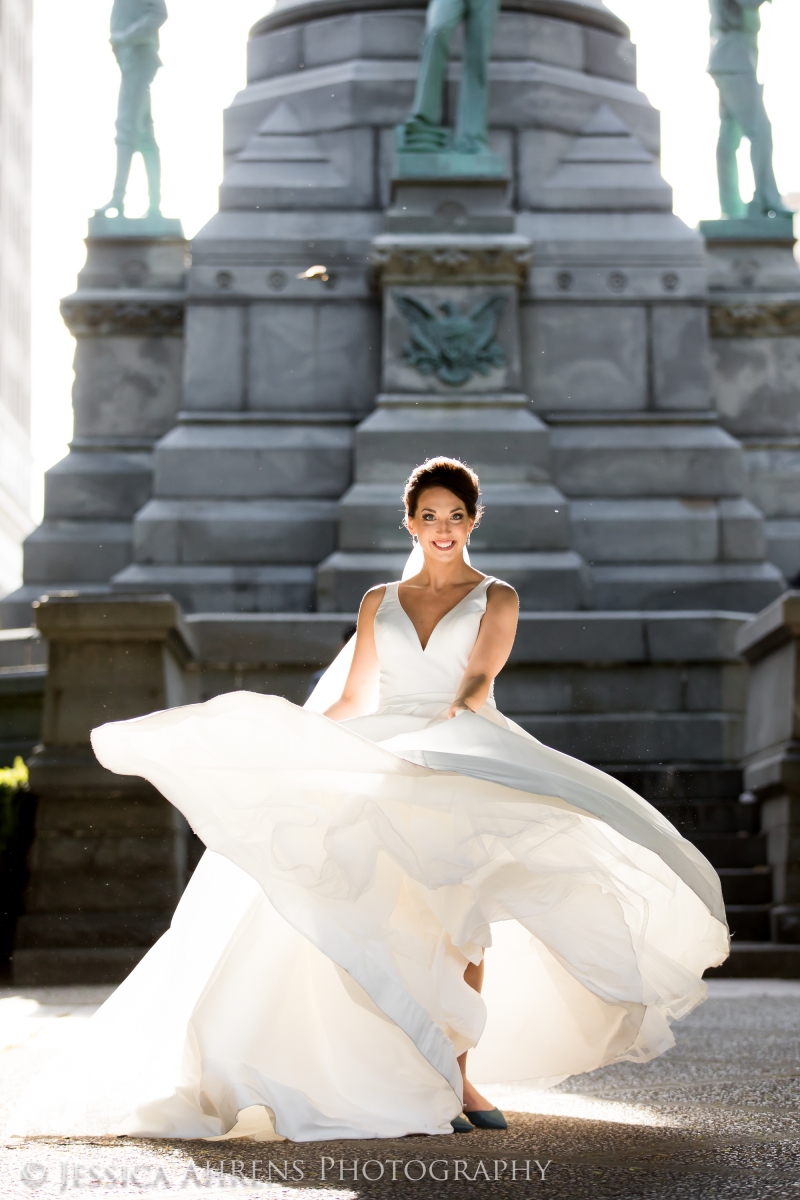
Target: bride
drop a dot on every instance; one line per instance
(323, 976)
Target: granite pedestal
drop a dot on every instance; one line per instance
(110, 857)
(754, 307)
(127, 319)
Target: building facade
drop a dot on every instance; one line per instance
(15, 286)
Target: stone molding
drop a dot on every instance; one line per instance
(155, 315)
(582, 13)
(442, 262)
(755, 320)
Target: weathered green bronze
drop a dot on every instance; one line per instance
(451, 344)
(733, 65)
(423, 132)
(135, 40)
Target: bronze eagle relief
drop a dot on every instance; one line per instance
(450, 343)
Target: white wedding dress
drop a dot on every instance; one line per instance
(311, 984)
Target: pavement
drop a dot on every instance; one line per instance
(716, 1118)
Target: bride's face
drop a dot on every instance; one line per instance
(441, 523)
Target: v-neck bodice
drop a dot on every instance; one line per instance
(411, 677)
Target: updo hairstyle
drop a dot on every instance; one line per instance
(447, 473)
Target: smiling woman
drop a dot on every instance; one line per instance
(324, 968)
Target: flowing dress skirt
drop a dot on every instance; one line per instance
(311, 984)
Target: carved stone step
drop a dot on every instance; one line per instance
(103, 486)
(502, 443)
(81, 551)
(731, 587)
(746, 885)
(235, 531)
(749, 922)
(620, 459)
(667, 530)
(233, 461)
(219, 588)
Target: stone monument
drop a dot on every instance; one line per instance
(526, 300)
(610, 354)
(127, 319)
(754, 285)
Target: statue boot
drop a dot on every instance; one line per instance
(117, 201)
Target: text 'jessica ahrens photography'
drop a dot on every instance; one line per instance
(233, 1172)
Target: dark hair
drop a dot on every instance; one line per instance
(449, 473)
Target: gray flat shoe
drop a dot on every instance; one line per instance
(461, 1125)
(492, 1119)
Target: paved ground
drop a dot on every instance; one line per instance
(717, 1117)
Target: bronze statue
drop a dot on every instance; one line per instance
(423, 130)
(733, 64)
(134, 40)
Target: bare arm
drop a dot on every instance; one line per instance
(491, 650)
(363, 674)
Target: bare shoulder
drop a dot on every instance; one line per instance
(372, 601)
(501, 597)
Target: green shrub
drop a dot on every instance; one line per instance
(13, 780)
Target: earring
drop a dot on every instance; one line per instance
(414, 540)
(468, 537)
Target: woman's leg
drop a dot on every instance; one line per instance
(473, 1100)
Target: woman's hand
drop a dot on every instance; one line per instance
(491, 650)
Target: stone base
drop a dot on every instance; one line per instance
(469, 205)
(151, 226)
(749, 229)
(754, 254)
(430, 165)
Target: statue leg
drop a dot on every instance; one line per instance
(152, 161)
(743, 97)
(473, 98)
(426, 112)
(767, 198)
(730, 137)
(138, 72)
(126, 139)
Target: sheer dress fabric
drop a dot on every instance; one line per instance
(311, 984)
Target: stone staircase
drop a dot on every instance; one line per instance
(724, 822)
